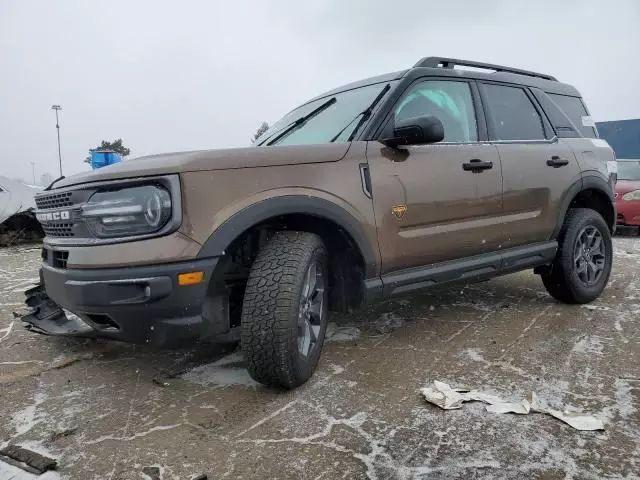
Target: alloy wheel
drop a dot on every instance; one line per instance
(589, 255)
(312, 306)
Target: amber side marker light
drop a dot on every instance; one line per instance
(191, 278)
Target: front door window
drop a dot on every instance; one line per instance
(449, 101)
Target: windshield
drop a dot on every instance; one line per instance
(629, 170)
(333, 123)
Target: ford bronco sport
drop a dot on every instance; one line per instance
(378, 188)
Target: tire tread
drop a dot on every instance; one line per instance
(270, 297)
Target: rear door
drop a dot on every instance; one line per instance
(429, 207)
(537, 167)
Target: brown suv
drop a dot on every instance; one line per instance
(378, 188)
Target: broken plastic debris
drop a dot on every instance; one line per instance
(448, 398)
(27, 460)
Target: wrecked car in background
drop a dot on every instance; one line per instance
(17, 217)
(378, 188)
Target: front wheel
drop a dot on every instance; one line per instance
(582, 265)
(284, 311)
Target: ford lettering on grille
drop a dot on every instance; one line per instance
(53, 216)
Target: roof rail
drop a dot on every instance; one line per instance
(443, 62)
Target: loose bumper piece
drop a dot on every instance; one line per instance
(45, 316)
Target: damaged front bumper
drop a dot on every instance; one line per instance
(45, 316)
(133, 304)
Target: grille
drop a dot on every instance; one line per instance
(58, 229)
(56, 200)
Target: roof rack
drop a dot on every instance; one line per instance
(443, 62)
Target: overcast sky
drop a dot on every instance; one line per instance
(183, 75)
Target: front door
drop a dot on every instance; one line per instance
(430, 204)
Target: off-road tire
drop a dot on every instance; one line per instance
(561, 279)
(271, 309)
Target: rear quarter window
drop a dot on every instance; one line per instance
(577, 113)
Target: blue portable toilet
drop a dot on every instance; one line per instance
(102, 158)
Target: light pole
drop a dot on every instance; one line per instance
(56, 108)
(33, 169)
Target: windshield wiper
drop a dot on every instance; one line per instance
(302, 120)
(365, 115)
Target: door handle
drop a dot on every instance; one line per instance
(476, 165)
(557, 162)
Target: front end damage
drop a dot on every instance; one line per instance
(43, 315)
(144, 305)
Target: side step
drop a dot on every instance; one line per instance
(471, 269)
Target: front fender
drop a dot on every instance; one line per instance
(269, 208)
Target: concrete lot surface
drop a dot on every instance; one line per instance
(107, 410)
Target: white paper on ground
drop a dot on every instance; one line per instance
(578, 421)
(442, 395)
(448, 398)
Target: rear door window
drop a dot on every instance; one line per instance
(577, 113)
(512, 115)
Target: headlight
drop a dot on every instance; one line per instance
(635, 195)
(127, 211)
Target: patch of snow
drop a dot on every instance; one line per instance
(337, 333)
(27, 418)
(4, 333)
(388, 321)
(475, 355)
(9, 472)
(229, 370)
(618, 324)
(624, 398)
(588, 345)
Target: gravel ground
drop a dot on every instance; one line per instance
(108, 410)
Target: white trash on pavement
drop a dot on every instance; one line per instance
(448, 398)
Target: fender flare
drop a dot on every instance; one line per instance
(256, 213)
(587, 182)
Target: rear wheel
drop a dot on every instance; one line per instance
(284, 312)
(582, 265)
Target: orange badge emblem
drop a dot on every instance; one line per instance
(399, 211)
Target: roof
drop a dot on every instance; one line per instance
(497, 73)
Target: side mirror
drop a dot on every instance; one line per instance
(416, 131)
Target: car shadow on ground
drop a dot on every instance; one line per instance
(439, 311)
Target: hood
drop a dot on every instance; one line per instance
(624, 186)
(202, 160)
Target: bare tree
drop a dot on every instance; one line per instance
(263, 128)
